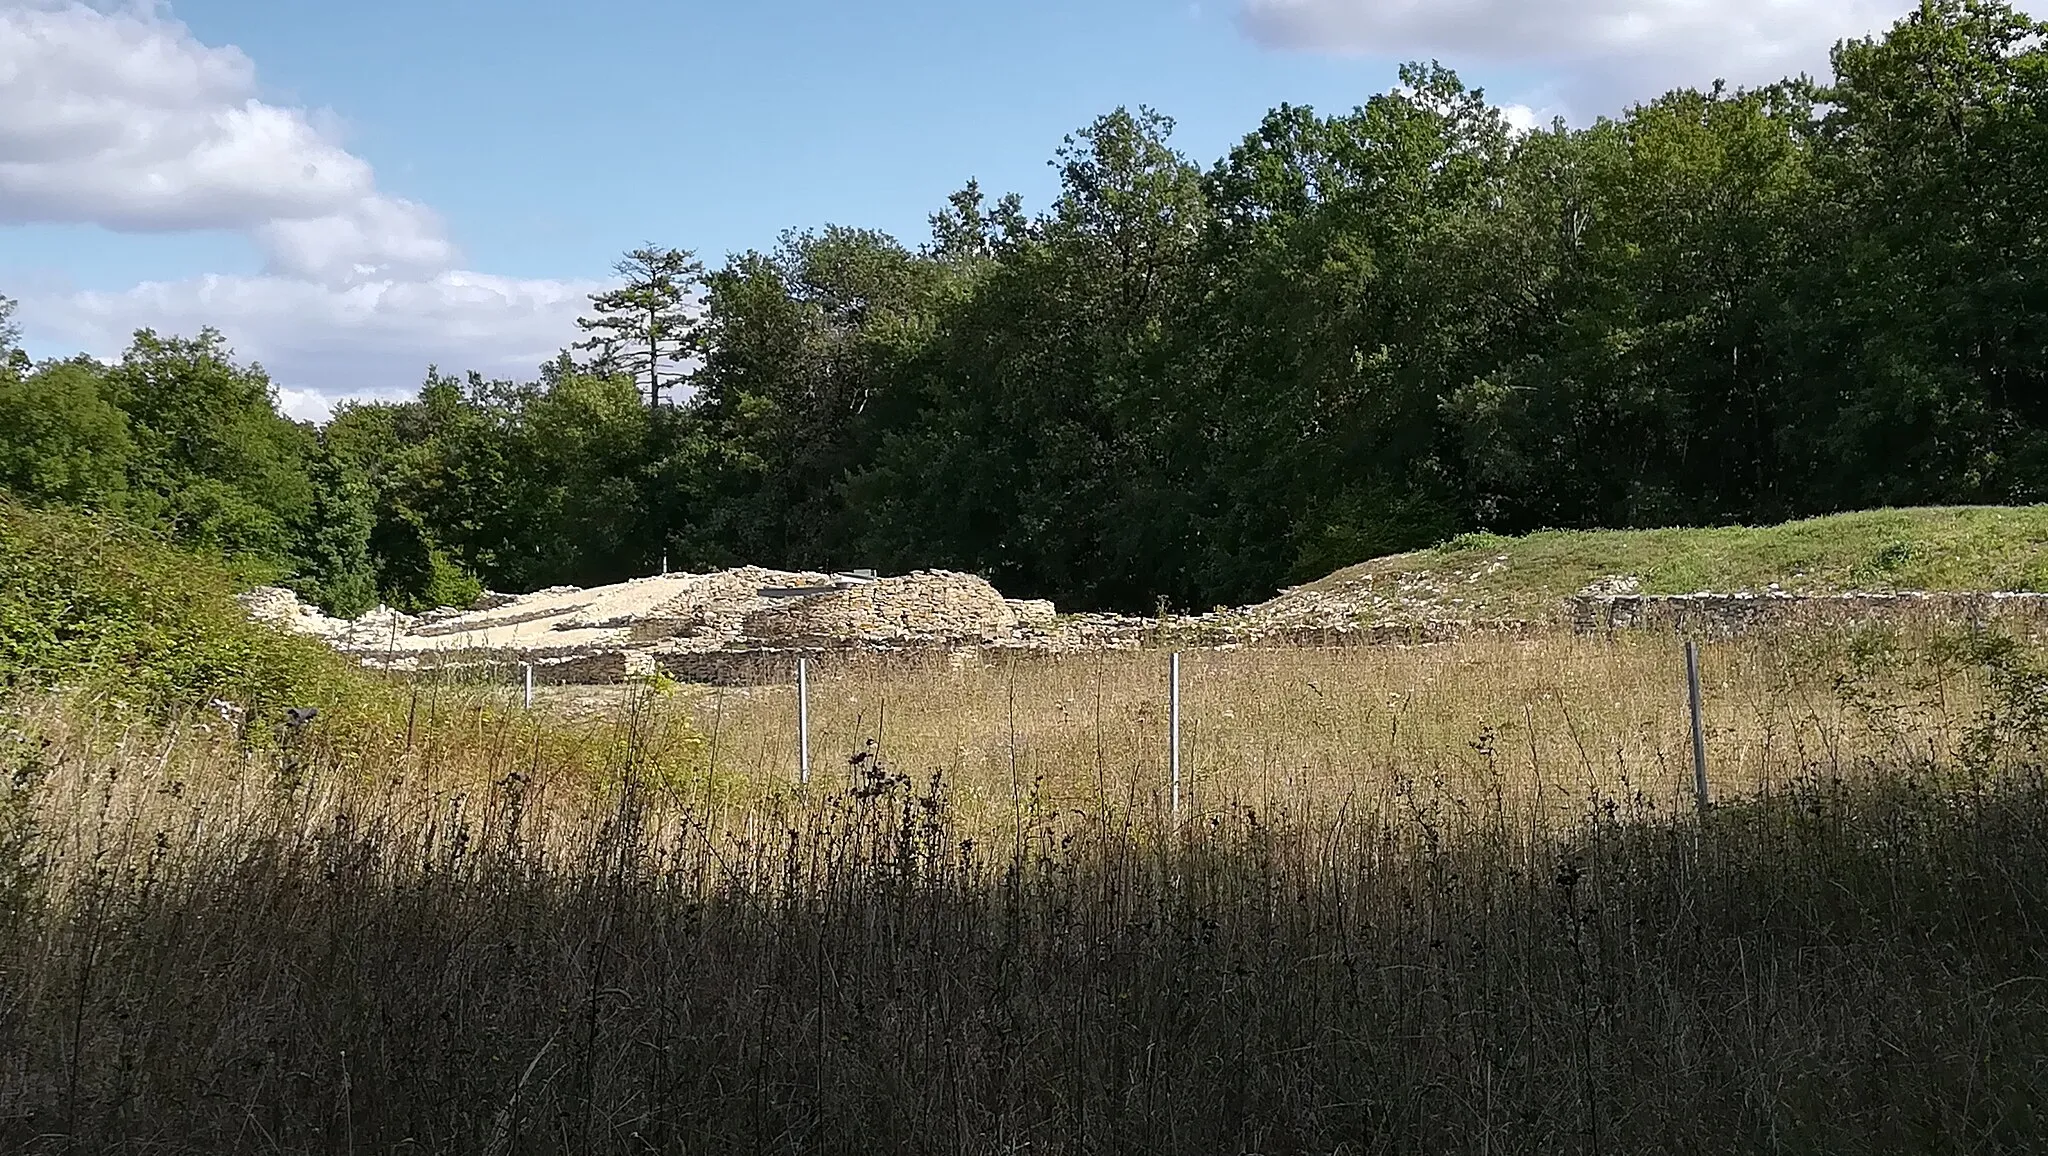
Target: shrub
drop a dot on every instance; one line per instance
(96, 604)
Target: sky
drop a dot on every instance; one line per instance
(351, 192)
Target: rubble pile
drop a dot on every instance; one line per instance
(698, 626)
(1372, 603)
(747, 624)
(927, 607)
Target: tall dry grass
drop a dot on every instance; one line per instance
(1535, 724)
(502, 934)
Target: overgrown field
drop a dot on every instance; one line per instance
(1440, 899)
(1536, 724)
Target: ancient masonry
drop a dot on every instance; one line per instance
(1727, 615)
(743, 625)
(748, 625)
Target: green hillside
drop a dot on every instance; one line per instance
(1966, 548)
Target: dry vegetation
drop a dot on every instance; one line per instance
(1537, 725)
(1446, 899)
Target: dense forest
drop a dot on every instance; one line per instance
(1188, 385)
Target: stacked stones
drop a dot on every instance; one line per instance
(930, 606)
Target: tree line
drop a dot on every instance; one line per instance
(1351, 335)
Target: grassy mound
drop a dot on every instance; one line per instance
(95, 605)
(1963, 548)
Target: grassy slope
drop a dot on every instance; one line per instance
(1946, 548)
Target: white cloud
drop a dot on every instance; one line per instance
(372, 338)
(1522, 120)
(378, 235)
(123, 119)
(305, 404)
(119, 117)
(1596, 55)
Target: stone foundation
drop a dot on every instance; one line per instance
(1730, 615)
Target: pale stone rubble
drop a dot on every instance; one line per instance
(1423, 604)
(709, 627)
(747, 624)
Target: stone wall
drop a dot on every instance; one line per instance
(1728, 615)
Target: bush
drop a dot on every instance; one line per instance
(96, 604)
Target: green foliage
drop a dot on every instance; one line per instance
(394, 448)
(524, 485)
(60, 440)
(215, 464)
(335, 568)
(415, 573)
(645, 327)
(12, 360)
(810, 351)
(93, 603)
(1354, 334)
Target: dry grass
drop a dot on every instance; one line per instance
(1480, 930)
(1535, 725)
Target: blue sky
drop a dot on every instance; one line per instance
(349, 191)
(552, 136)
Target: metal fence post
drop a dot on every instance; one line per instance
(1173, 729)
(528, 697)
(803, 722)
(1699, 730)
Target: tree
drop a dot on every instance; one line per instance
(647, 327)
(1030, 452)
(60, 440)
(968, 230)
(390, 448)
(215, 463)
(1654, 389)
(807, 356)
(1345, 282)
(12, 359)
(1923, 339)
(335, 568)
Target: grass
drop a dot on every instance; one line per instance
(1447, 899)
(1966, 548)
(1461, 937)
(1538, 724)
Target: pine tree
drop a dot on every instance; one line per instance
(647, 327)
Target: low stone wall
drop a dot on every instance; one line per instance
(773, 666)
(724, 630)
(593, 668)
(730, 667)
(1728, 615)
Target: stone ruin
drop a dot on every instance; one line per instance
(747, 625)
(740, 625)
(1604, 607)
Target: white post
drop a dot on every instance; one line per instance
(1173, 729)
(1699, 730)
(529, 686)
(803, 722)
